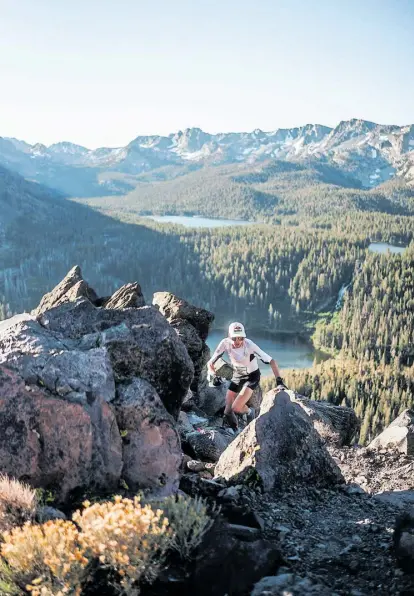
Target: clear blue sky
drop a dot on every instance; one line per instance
(100, 72)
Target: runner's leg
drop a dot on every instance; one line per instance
(239, 404)
(230, 397)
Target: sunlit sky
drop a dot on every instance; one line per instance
(100, 72)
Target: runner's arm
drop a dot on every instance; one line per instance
(266, 359)
(218, 353)
(275, 368)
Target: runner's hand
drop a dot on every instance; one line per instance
(214, 381)
(279, 381)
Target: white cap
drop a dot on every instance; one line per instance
(236, 330)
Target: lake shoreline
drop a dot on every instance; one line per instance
(196, 221)
(289, 350)
(302, 337)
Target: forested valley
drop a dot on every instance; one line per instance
(372, 337)
(308, 271)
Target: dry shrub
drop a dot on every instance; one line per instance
(46, 560)
(18, 503)
(126, 537)
(188, 520)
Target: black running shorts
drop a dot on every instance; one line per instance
(251, 380)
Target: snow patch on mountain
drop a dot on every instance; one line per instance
(66, 147)
(368, 152)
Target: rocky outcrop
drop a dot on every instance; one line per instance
(278, 449)
(55, 444)
(77, 349)
(192, 325)
(326, 524)
(398, 435)
(196, 348)
(151, 445)
(139, 342)
(337, 425)
(74, 366)
(174, 308)
(71, 287)
(128, 296)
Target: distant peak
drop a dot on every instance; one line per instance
(356, 123)
(67, 147)
(193, 132)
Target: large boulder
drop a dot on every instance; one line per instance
(212, 399)
(226, 565)
(71, 287)
(290, 584)
(151, 444)
(192, 325)
(209, 443)
(54, 444)
(337, 425)
(80, 375)
(55, 363)
(256, 399)
(128, 296)
(398, 435)
(139, 341)
(278, 449)
(174, 308)
(196, 348)
(404, 540)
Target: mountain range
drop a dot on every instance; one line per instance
(365, 153)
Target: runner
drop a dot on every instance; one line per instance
(243, 354)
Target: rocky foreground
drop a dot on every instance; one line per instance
(337, 539)
(102, 395)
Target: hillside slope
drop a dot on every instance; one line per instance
(272, 189)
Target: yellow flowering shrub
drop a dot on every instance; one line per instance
(126, 537)
(47, 560)
(188, 520)
(123, 539)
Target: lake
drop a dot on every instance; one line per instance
(197, 221)
(383, 247)
(288, 353)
